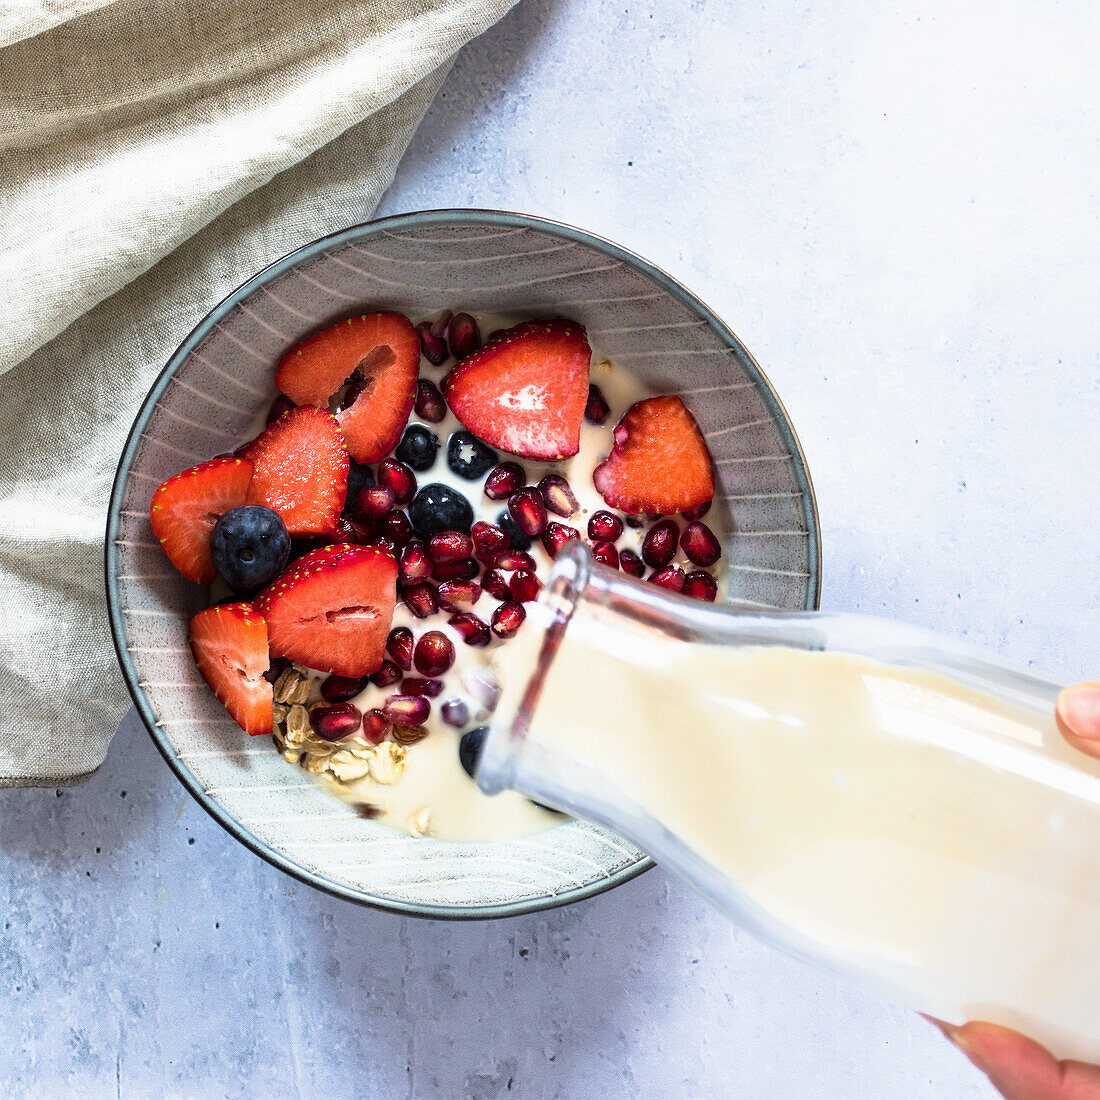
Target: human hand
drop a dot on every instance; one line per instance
(1019, 1068)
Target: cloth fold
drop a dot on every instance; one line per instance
(153, 155)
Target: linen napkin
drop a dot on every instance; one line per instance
(153, 155)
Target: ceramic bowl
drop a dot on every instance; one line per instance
(211, 390)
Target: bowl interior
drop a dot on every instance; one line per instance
(204, 403)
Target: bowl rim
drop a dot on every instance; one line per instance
(449, 217)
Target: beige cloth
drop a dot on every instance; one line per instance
(153, 155)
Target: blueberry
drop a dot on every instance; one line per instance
(417, 448)
(517, 537)
(468, 457)
(359, 477)
(438, 507)
(250, 546)
(469, 749)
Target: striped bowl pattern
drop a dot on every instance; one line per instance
(204, 402)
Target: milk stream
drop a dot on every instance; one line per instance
(937, 843)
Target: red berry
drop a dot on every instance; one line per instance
(463, 335)
(398, 478)
(524, 586)
(432, 347)
(395, 526)
(375, 727)
(528, 510)
(434, 653)
(494, 583)
(606, 554)
(700, 586)
(349, 530)
(558, 496)
(389, 673)
(415, 565)
(420, 599)
(556, 536)
(430, 405)
(604, 526)
(230, 646)
(504, 480)
(399, 645)
(449, 546)
(700, 544)
(339, 689)
(372, 503)
(474, 631)
(458, 595)
(698, 512)
(659, 545)
(463, 570)
(507, 619)
(672, 578)
(336, 722)
(511, 560)
(629, 562)
(596, 410)
(406, 710)
(489, 540)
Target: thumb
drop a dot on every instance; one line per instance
(1078, 715)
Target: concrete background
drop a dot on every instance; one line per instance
(894, 206)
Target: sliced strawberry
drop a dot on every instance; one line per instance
(229, 644)
(301, 470)
(377, 355)
(525, 391)
(185, 508)
(659, 463)
(331, 609)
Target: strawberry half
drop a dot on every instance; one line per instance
(331, 609)
(526, 390)
(301, 470)
(377, 355)
(229, 644)
(660, 461)
(185, 508)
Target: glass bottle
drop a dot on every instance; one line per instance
(867, 796)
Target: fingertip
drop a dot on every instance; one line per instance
(1077, 712)
(1019, 1067)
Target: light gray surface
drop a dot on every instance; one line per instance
(895, 210)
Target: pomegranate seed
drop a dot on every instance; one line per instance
(448, 546)
(606, 554)
(672, 578)
(455, 713)
(398, 478)
(463, 570)
(698, 511)
(420, 599)
(375, 726)
(463, 335)
(629, 562)
(504, 480)
(556, 535)
(700, 586)
(558, 496)
(415, 685)
(395, 526)
(528, 510)
(434, 653)
(597, 410)
(474, 631)
(415, 565)
(429, 403)
(458, 595)
(524, 586)
(507, 619)
(382, 543)
(511, 560)
(659, 544)
(604, 526)
(349, 530)
(494, 583)
(276, 667)
(439, 325)
(406, 710)
(399, 645)
(372, 503)
(489, 540)
(280, 405)
(432, 347)
(339, 689)
(337, 722)
(700, 544)
(389, 673)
